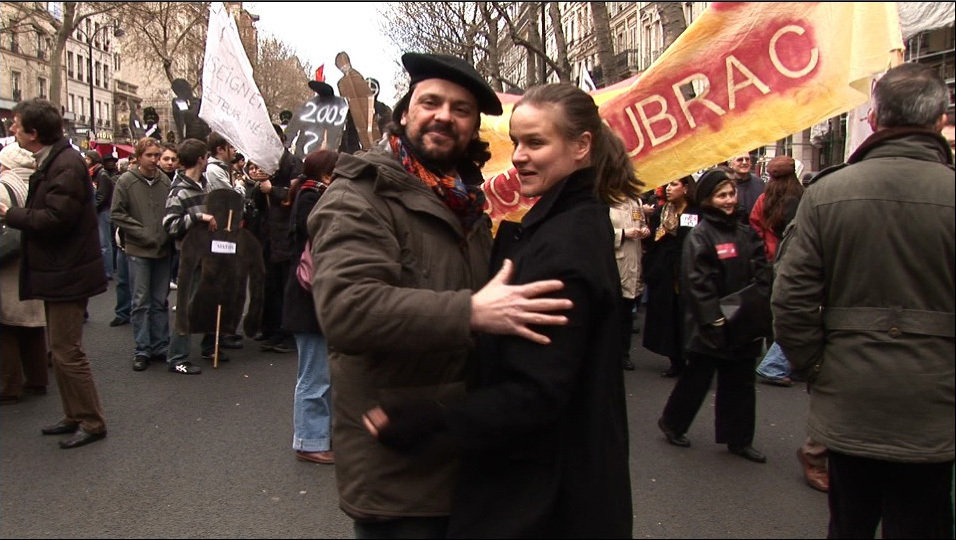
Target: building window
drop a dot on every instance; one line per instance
(69, 64)
(99, 72)
(79, 67)
(72, 103)
(14, 42)
(116, 62)
(15, 84)
(106, 76)
(89, 30)
(41, 87)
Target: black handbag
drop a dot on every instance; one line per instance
(9, 238)
(748, 315)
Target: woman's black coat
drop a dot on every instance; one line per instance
(661, 273)
(298, 308)
(545, 430)
(721, 256)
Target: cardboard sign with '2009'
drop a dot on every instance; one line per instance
(318, 125)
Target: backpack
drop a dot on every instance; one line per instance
(304, 270)
(10, 237)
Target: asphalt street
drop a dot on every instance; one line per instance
(210, 456)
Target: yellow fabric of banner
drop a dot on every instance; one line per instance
(761, 71)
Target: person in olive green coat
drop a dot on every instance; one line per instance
(400, 245)
(863, 303)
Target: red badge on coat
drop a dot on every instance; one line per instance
(726, 251)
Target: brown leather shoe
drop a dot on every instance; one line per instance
(81, 438)
(325, 458)
(816, 478)
(60, 428)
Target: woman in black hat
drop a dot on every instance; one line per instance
(545, 430)
(721, 256)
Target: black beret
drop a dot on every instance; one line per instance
(708, 182)
(421, 67)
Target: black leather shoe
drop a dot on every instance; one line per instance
(283, 348)
(60, 428)
(747, 452)
(231, 342)
(140, 362)
(672, 437)
(81, 438)
(222, 356)
(119, 322)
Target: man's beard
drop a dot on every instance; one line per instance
(440, 161)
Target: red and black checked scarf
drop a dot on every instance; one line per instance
(465, 201)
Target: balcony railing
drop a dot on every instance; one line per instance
(629, 59)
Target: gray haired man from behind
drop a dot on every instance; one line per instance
(863, 305)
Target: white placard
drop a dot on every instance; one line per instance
(231, 102)
(218, 246)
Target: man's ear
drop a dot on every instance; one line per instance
(871, 119)
(940, 123)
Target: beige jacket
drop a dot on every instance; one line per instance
(13, 311)
(629, 215)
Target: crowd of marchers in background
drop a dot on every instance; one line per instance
(479, 380)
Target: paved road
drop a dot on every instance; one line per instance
(210, 456)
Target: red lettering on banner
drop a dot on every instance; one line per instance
(776, 56)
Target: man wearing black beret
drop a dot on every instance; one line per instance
(401, 250)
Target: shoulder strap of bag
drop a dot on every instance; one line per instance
(13, 196)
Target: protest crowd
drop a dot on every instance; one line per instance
(466, 377)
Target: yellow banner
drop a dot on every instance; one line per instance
(762, 71)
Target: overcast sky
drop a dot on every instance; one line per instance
(317, 31)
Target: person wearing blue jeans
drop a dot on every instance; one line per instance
(139, 203)
(185, 209)
(149, 313)
(103, 198)
(312, 410)
(774, 368)
(312, 402)
(124, 284)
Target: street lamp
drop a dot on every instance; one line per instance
(117, 33)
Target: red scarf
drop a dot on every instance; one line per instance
(466, 202)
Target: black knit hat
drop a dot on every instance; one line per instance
(443, 66)
(708, 182)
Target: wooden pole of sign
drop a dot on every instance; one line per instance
(215, 356)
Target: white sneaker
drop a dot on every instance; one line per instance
(173, 286)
